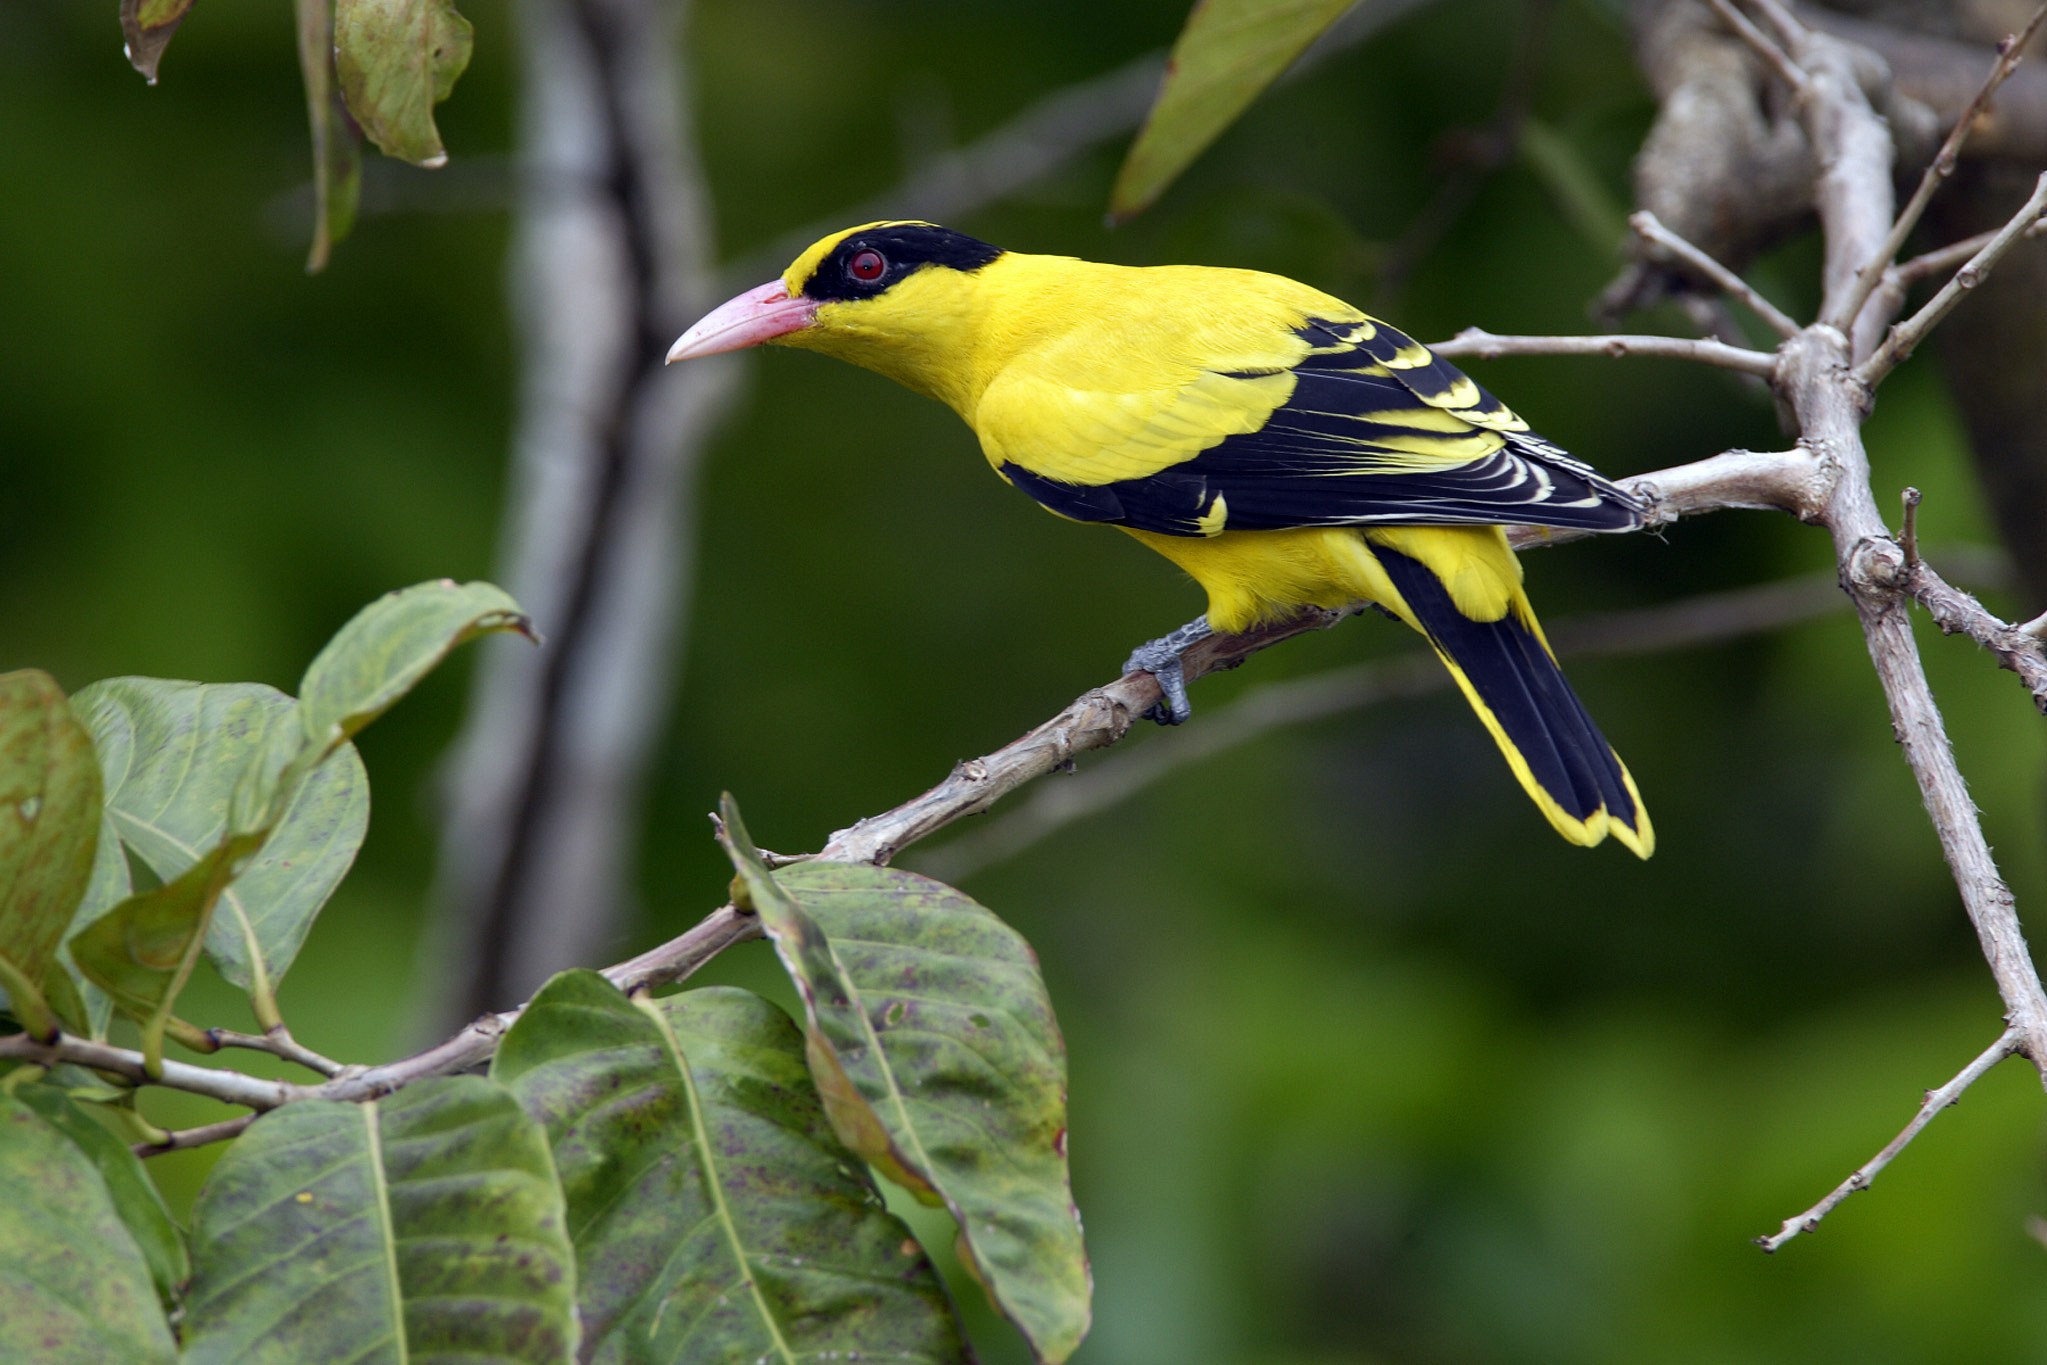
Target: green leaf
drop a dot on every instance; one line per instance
(715, 1216)
(49, 827)
(390, 645)
(397, 59)
(934, 1049)
(148, 26)
(135, 1197)
(425, 1226)
(1227, 54)
(74, 1290)
(337, 143)
(185, 761)
(141, 952)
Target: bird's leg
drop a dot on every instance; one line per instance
(1161, 658)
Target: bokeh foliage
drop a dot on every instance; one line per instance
(1366, 1064)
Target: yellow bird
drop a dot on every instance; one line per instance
(1277, 444)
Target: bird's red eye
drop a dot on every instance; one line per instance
(867, 266)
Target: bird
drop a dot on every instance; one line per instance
(1284, 449)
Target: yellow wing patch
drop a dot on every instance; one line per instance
(1088, 436)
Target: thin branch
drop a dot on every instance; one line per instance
(1763, 481)
(1953, 254)
(1649, 229)
(229, 1087)
(1936, 1100)
(2017, 648)
(278, 1042)
(183, 1138)
(1703, 619)
(1789, 30)
(1936, 174)
(1773, 56)
(1479, 344)
(1906, 336)
(681, 956)
(1908, 535)
(1095, 720)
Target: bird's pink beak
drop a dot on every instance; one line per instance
(760, 314)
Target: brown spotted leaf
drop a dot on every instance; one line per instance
(716, 1218)
(933, 1046)
(49, 830)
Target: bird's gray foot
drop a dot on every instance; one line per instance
(1161, 658)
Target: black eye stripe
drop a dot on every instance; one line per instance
(903, 249)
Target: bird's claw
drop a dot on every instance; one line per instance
(1172, 707)
(1162, 659)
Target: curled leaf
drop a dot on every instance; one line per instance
(148, 26)
(397, 59)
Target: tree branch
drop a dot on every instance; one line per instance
(1759, 42)
(1937, 171)
(1650, 230)
(278, 1042)
(204, 1135)
(1906, 336)
(1479, 344)
(1829, 402)
(1936, 1100)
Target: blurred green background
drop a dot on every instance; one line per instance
(1367, 1065)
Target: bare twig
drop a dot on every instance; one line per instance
(1953, 254)
(230, 1087)
(1908, 535)
(1936, 1100)
(1649, 229)
(1703, 619)
(1477, 343)
(2015, 647)
(1789, 30)
(1906, 336)
(278, 1042)
(1773, 56)
(180, 1139)
(1095, 720)
(1936, 174)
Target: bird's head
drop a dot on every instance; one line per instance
(897, 297)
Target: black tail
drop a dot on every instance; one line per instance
(1517, 689)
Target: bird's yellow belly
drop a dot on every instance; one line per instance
(1253, 577)
(1257, 576)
